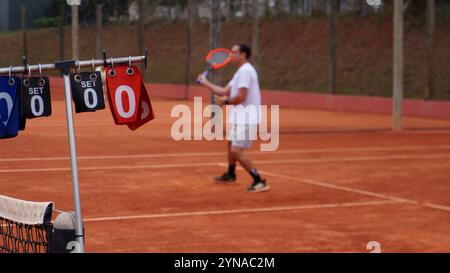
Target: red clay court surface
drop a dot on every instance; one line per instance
(335, 184)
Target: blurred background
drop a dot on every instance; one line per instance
(326, 46)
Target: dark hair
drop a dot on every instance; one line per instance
(245, 49)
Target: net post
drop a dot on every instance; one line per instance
(65, 67)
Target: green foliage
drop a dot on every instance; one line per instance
(170, 3)
(87, 10)
(443, 9)
(44, 22)
(415, 23)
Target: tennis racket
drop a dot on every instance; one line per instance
(217, 59)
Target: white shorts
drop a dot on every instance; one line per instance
(242, 135)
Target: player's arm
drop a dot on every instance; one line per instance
(238, 99)
(217, 90)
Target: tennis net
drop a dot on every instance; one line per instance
(25, 227)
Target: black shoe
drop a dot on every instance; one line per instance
(225, 178)
(258, 186)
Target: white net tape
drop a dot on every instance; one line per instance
(26, 212)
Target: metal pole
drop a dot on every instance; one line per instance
(75, 26)
(24, 29)
(332, 66)
(73, 161)
(99, 31)
(398, 66)
(61, 32)
(140, 39)
(430, 25)
(255, 35)
(214, 39)
(189, 48)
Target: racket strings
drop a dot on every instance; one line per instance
(218, 58)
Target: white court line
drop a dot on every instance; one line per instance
(120, 167)
(242, 211)
(341, 188)
(111, 157)
(350, 159)
(237, 211)
(436, 206)
(363, 192)
(210, 164)
(206, 154)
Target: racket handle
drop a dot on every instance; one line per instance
(204, 74)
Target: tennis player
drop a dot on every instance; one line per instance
(242, 91)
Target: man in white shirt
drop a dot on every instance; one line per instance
(244, 94)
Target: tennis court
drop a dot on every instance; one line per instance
(338, 181)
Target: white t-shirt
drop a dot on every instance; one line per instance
(248, 112)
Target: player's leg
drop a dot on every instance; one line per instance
(229, 176)
(238, 154)
(231, 160)
(258, 184)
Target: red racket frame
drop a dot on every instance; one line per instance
(222, 64)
